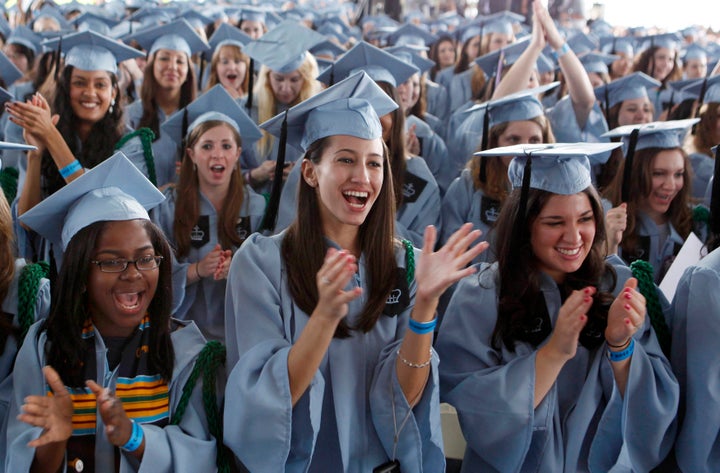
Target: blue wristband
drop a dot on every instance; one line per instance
(70, 169)
(136, 438)
(557, 54)
(421, 328)
(623, 354)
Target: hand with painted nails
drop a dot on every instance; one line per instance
(223, 266)
(52, 413)
(335, 273)
(35, 118)
(571, 319)
(626, 315)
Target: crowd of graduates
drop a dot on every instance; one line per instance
(271, 237)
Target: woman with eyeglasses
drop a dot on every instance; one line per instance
(98, 384)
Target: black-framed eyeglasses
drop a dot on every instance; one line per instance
(144, 263)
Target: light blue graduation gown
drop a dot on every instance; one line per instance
(421, 203)
(444, 76)
(436, 96)
(433, 149)
(358, 372)
(695, 355)
(463, 203)
(203, 302)
(460, 89)
(7, 357)
(165, 151)
(583, 423)
(187, 447)
(703, 167)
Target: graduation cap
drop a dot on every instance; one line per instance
(493, 63)
(49, 11)
(664, 135)
(706, 89)
(601, 28)
(411, 55)
(8, 71)
(327, 49)
(90, 51)
(545, 64)
(350, 107)
(617, 44)
(410, 34)
(88, 21)
(665, 40)
(150, 16)
(226, 34)
(501, 22)
(26, 37)
(378, 64)
(695, 51)
(197, 20)
(252, 13)
(283, 49)
(5, 28)
(597, 62)
(329, 31)
(582, 43)
(559, 168)
(175, 36)
(215, 104)
(632, 86)
(114, 190)
(519, 106)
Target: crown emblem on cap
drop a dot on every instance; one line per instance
(408, 189)
(196, 234)
(394, 297)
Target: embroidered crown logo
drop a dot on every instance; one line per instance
(394, 297)
(196, 234)
(492, 214)
(408, 189)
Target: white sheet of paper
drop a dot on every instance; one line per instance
(689, 255)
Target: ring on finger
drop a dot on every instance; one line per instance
(324, 280)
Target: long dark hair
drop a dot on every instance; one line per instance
(679, 213)
(68, 308)
(396, 145)
(187, 197)
(519, 292)
(100, 143)
(303, 248)
(149, 91)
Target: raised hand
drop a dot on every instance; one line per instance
(208, 266)
(615, 225)
(626, 315)
(223, 266)
(438, 270)
(331, 279)
(35, 118)
(52, 413)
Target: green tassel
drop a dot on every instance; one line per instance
(409, 260)
(146, 138)
(28, 286)
(9, 182)
(701, 214)
(643, 272)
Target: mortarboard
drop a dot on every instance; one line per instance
(90, 51)
(378, 64)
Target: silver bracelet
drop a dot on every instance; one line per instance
(415, 365)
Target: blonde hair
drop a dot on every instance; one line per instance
(267, 104)
(236, 53)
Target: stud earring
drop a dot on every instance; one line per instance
(112, 106)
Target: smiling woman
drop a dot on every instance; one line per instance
(562, 357)
(113, 298)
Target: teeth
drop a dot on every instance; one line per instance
(128, 300)
(217, 168)
(568, 252)
(362, 195)
(88, 104)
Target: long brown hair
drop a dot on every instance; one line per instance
(149, 91)
(396, 145)
(644, 63)
(705, 133)
(303, 248)
(679, 213)
(496, 183)
(7, 265)
(187, 197)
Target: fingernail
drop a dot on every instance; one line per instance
(627, 321)
(111, 429)
(583, 318)
(627, 306)
(588, 299)
(587, 290)
(628, 295)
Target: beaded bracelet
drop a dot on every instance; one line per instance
(136, 438)
(415, 365)
(558, 53)
(421, 328)
(70, 169)
(623, 354)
